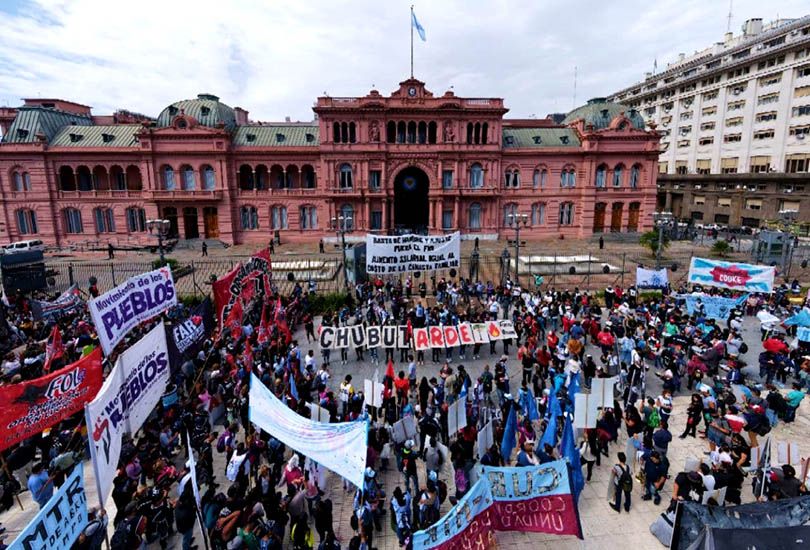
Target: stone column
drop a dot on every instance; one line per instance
(385, 215)
(455, 213)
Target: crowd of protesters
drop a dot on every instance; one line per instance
(269, 497)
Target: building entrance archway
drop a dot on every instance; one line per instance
(411, 208)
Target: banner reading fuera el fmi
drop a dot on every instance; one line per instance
(405, 253)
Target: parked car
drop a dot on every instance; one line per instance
(23, 246)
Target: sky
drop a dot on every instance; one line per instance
(274, 58)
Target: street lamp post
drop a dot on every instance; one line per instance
(788, 217)
(661, 219)
(343, 224)
(514, 220)
(160, 228)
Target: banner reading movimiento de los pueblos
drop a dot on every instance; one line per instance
(404, 253)
(138, 299)
(127, 398)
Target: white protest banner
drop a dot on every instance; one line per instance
(421, 340)
(787, 453)
(651, 278)
(373, 336)
(326, 338)
(456, 416)
(404, 429)
(586, 410)
(60, 522)
(340, 447)
(341, 338)
(485, 439)
(479, 333)
(130, 392)
(494, 331)
(138, 299)
(507, 329)
(451, 338)
(318, 413)
(436, 335)
(465, 334)
(602, 389)
(373, 393)
(736, 276)
(389, 336)
(719, 496)
(406, 253)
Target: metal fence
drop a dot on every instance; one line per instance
(194, 278)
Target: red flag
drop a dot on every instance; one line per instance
(263, 332)
(248, 356)
(234, 319)
(54, 349)
(281, 321)
(389, 371)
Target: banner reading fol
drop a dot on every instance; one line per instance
(32, 406)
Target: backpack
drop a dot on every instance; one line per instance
(764, 426)
(223, 441)
(743, 348)
(625, 480)
(654, 420)
(461, 480)
(125, 535)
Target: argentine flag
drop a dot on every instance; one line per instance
(419, 28)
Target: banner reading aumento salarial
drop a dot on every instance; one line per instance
(405, 253)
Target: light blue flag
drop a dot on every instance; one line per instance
(569, 451)
(509, 438)
(528, 405)
(293, 388)
(419, 28)
(573, 388)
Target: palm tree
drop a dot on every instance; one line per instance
(650, 240)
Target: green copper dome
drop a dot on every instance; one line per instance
(600, 112)
(207, 109)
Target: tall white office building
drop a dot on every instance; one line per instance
(739, 106)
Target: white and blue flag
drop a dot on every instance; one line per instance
(419, 28)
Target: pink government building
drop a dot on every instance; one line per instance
(408, 162)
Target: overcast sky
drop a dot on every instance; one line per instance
(274, 58)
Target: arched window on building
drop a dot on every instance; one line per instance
(21, 180)
(67, 180)
(27, 222)
(568, 177)
(336, 132)
(411, 132)
(352, 133)
(168, 178)
(189, 182)
(566, 213)
(308, 176)
(469, 133)
(391, 132)
(308, 217)
(484, 133)
(510, 210)
(209, 179)
(278, 217)
(476, 176)
(618, 175)
(635, 176)
(347, 211)
(105, 220)
(249, 218)
(431, 132)
(136, 219)
(401, 131)
(512, 178)
(346, 180)
(474, 216)
(422, 132)
(73, 221)
(539, 213)
(539, 178)
(601, 175)
(84, 178)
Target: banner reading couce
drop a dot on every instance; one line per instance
(138, 299)
(405, 253)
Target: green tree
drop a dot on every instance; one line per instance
(649, 240)
(721, 248)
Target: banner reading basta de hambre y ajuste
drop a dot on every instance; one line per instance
(127, 398)
(407, 253)
(138, 299)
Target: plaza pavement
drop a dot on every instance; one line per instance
(603, 529)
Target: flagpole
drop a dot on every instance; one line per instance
(411, 22)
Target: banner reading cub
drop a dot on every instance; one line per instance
(138, 299)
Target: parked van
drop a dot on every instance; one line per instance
(23, 246)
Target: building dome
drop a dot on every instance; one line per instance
(207, 110)
(599, 112)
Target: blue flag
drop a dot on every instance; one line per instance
(509, 438)
(528, 405)
(569, 451)
(550, 435)
(573, 388)
(293, 389)
(419, 28)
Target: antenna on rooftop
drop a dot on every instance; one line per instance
(730, 7)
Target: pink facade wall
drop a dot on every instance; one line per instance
(200, 147)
